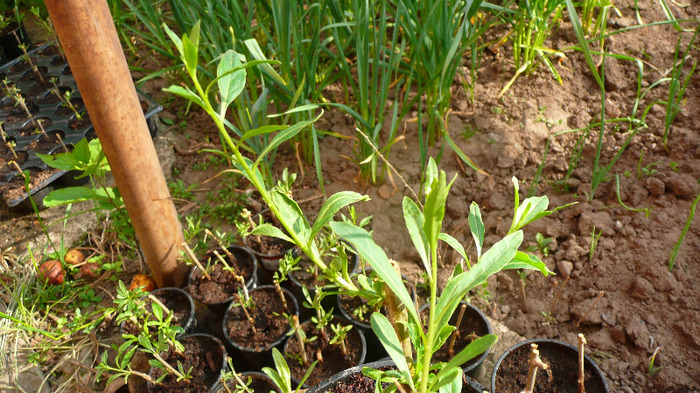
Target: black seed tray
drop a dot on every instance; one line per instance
(56, 118)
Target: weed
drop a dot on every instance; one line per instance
(646, 210)
(542, 244)
(678, 86)
(674, 253)
(652, 368)
(647, 170)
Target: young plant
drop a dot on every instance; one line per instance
(21, 45)
(322, 317)
(340, 332)
(678, 86)
(240, 386)
(281, 375)
(533, 365)
(287, 265)
(10, 145)
(532, 25)
(298, 332)
(409, 345)
(65, 98)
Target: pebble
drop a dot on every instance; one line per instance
(564, 268)
(641, 289)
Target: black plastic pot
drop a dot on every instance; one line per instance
(211, 348)
(8, 41)
(246, 358)
(208, 314)
(260, 382)
(331, 382)
(473, 321)
(45, 106)
(174, 299)
(563, 361)
(363, 349)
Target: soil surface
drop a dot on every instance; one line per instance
(334, 360)
(270, 325)
(203, 355)
(221, 285)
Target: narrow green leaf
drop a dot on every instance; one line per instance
(461, 155)
(414, 223)
(477, 228)
(283, 136)
(290, 213)
(475, 348)
(272, 231)
(390, 341)
(529, 211)
(527, 261)
(260, 131)
(333, 205)
(185, 93)
(490, 263)
(456, 245)
(449, 382)
(64, 196)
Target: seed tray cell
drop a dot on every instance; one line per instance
(56, 118)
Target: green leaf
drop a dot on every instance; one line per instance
(270, 230)
(336, 202)
(477, 228)
(531, 209)
(190, 48)
(527, 261)
(475, 348)
(257, 54)
(461, 155)
(176, 40)
(449, 382)
(185, 93)
(68, 195)
(434, 209)
(456, 245)
(306, 375)
(414, 223)
(362, 242)
(390, 341)
(231, 84)
(283, 136)
(290, 213)
(260, 131)
(493, 261)
(280, 375)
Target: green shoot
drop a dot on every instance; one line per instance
(646, 210)
(652, 368)
(595, 236)
(674, 253)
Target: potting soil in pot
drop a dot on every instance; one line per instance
(334, 360)
(267, 312)
(221, 285)
(203, 356)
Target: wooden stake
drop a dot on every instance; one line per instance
(91, 44)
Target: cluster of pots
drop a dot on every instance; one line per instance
(215, 315)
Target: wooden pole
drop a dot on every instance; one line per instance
(94, 53)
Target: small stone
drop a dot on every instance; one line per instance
(505, 309)
(601, 221)
(655, 186)
(638, 332)
(564, 268)
(618, 334)
(641, 289)
(384, 191)
(682, 185)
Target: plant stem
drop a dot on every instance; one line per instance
(558, 295)
(26, 55)
(300, 338)
(278, 289)
(462, 309)
(168, 366)
(221, 245)
(194, 259)
(534, 363)
(581, 354)
(595, 302)
(245, 311)
(398, 316)
(238, 278)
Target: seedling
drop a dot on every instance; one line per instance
(240, 386)
(280, 375)
(322, 317)
(21, 45)
(65, 98)
(652, 368)
(542, 244)
(286, 266)
(674, 253)
(340, 332)
(246, 303)
(193, 258)
(300, 335)
(7, 142)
